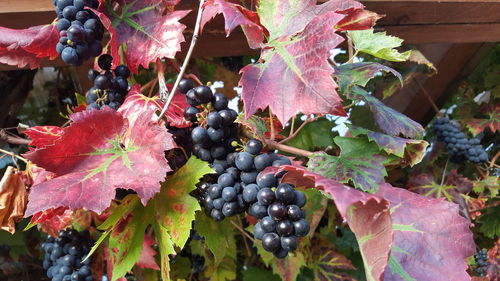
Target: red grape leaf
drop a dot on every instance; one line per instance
(235, 15)
(29, 46)
(411, 151)
(368, 216)
(285, 18)
(389, 120)
(42, 136)
(99, 152)
(360, 73)
(53, 220)
(13, 199)
(358, 19)
(147, 259)
(293, 74)
(476, 126)
(137, 102)
(148, 30)
(431, 240)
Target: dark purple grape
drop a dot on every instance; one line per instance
(82, 16)
(277, 211)
(199, 135)
(217, 215)
(258, 233)
(294, 212)
(244, 161)
(214, 120)
(76, 34)
(102, 82)
(289, 243)
(234, 172)
(265, 196)
(250, 193)
(257, 210)
(220, 101)
(230, 209)
(285, 193)
(218, 203)
(69, 55)
(185, 85)
(268, 224)
(69, 12)
(300, 199)
(191, 98)
(122, 71)
(190, 113)
(229, 194)
(105, 61)
(253, 146)
(266, 180)
(215, 135)
(248, 177)
(203, 94)
(92, 24)
(285, 228)
(63, 24)
(215, 191)
(271, 242)
(208, 203)
(225, 180)
(262, 161)
(301, 227)
(227, 116)
(281, 253)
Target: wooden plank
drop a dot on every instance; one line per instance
(406, 13)
(442, 33)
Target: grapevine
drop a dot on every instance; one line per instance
(299, 172)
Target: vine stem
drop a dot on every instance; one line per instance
(14, 155)
(296, 132)
(494, 204)
(13, 139)
(161, 80)
(429, 98)
(271, 124)
(290, 149)
(186, 59)
(242, 231)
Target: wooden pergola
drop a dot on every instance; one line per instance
(453, 34)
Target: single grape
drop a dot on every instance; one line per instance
(248, 177)
(229, 194)
(265, 196)
(219, 203)
(244, 161)
(217, 215)
(271, 242)
(63, 24)
(262, 161)
(250, 193)
(215, 191)
(190, 113)
(301, 227)
(268, 224)
(285, 228)
(203, 94)
(214, 120)
(220, 101)
(102, 82)
(289, 243)
(300, 198)
(216, 135)
(225, 180)
(69, 56)
(257, 210)
(280, 253)
(191, 98)
(294, 212)
(253, 146)
(258, 232)
(230, 209)
(277, 211)
(285, 193)
(234, 172)
(266, 180)
(185, 85)
(69, 12)
(227, 116)
(199, 135)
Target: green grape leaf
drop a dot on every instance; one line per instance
(490, 222)
(175, 208)
(359, 162)
(361, 73)
(166, 248)
(256, 273)
(219, 236)
(316, 134)
(388, 120)
(378, 44)
(222, 271)
(126, 240)
(326, 261)
(411, 151)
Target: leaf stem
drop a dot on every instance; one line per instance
(12, 154)
(13, 139)
(290, 149)
(494, 204)
(161, 80)
(294, 134)
(242, 231)
(196, 32)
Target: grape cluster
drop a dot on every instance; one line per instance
(481, 258)
(80, 30)
(108, 89)
(64, 255)
(460, 147)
